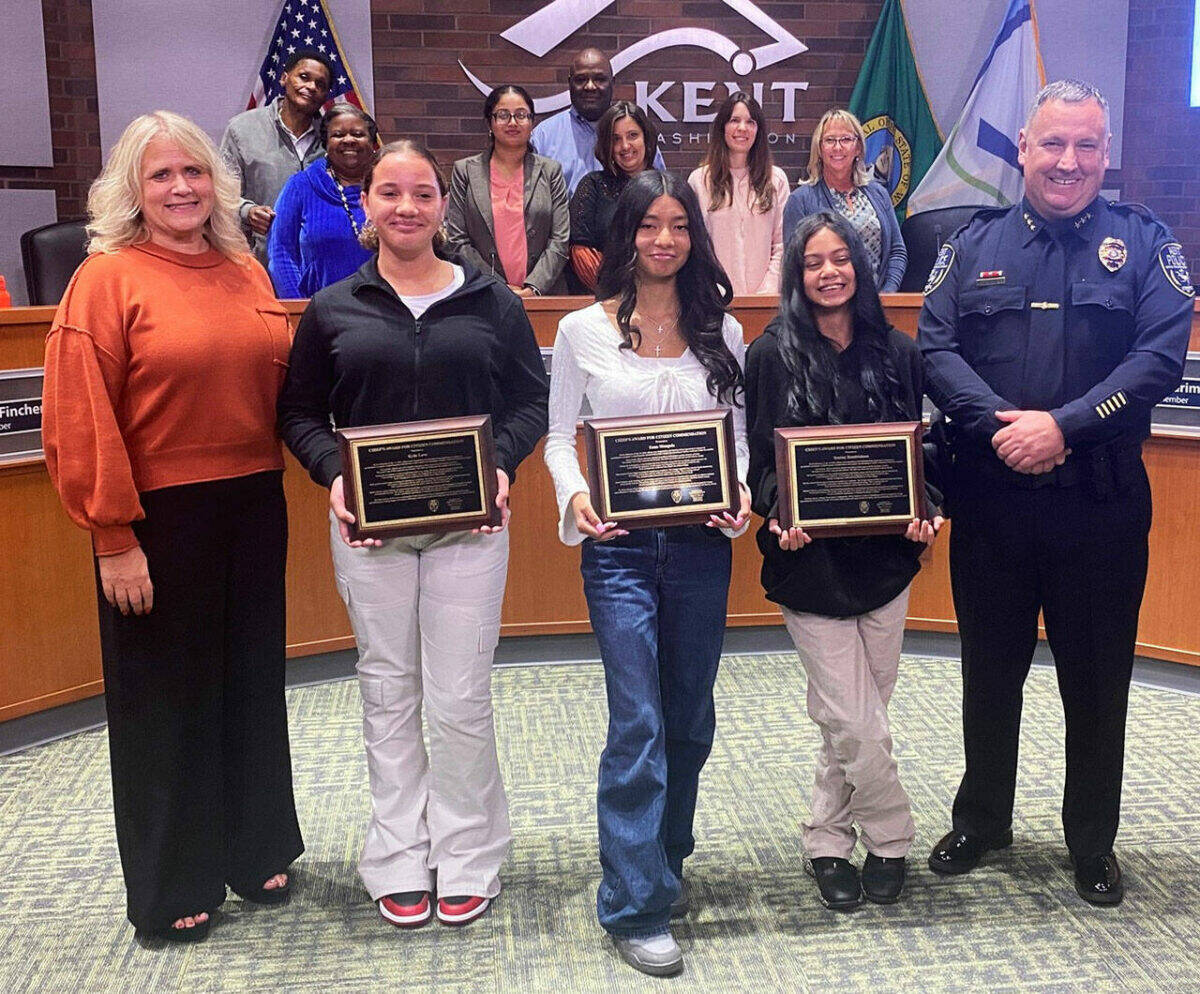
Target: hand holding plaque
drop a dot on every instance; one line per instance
(850, 479)
(657, 470)
(419, 477)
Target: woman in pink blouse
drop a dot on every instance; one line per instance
(508, 212)
(742, 194)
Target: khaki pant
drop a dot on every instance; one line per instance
(426, 617)
(851, 665)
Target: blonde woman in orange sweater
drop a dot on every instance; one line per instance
(163, 365)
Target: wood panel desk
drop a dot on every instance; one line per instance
(49, 640)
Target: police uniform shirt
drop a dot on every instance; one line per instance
(1087, 318)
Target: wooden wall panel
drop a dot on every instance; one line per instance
(48, 630)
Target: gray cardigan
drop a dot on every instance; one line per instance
(257, 148)
(812, 198)
(470, 229)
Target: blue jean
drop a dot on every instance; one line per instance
(657, 601)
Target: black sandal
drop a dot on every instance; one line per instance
(260, 895)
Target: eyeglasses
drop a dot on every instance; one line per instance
(504, 116)
(839, 141)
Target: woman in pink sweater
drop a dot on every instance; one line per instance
(742, 195)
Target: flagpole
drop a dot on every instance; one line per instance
(345, 60)
(1037, 44)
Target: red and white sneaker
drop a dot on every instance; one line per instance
(460, 910)
(407, 910)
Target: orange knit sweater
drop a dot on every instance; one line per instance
(161, 369)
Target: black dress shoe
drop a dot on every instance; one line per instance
(837, 882)
(883, 878)
(958, 852)
(1098, 879)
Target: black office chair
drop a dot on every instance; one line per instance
(50, 255)
(924, 234)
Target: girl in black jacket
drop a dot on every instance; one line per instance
(411, 337)
(830, 357)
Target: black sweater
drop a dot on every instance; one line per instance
(835, 577)
(360, 356)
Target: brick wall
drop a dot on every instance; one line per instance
(1161, 158)
(421, 91)
(74, 120)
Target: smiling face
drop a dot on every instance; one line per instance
(348, 146)
(405, 204)
(1064, 151)
(663, 241)
(177, 196)
(512, 134)
(740, 130)
(306, 86)
(829, 281)
(628, 146)
(591, 84)
(839, 149)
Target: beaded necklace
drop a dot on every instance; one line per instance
(345, 203)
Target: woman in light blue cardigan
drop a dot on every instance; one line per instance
(839, 181)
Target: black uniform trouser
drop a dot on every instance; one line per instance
(1080, 559)
(197, 727)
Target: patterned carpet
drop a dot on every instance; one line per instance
(1014, 925)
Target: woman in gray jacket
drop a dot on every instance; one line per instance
(508, 212)
(840, 181)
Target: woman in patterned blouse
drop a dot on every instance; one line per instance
(839, 180)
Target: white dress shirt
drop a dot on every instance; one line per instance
(589, 362)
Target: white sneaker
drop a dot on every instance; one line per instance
(658, 955)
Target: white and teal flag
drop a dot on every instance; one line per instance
(978, 164)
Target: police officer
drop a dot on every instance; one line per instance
(1050, 330)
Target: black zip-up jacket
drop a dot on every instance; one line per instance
(835, 577)
(360, 356)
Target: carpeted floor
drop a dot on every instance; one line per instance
(1013, 925)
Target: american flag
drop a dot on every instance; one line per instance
(304, 24)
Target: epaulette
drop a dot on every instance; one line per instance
(981, 214)
(1142, 211)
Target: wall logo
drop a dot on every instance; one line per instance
(554, 23)
(890, 153)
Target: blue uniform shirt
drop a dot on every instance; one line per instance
(1087, 318)
(569, 139)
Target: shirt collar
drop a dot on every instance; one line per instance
(1080, 225)
(278, 104)
(580, 119)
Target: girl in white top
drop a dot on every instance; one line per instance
(742, 194)
(658, 340)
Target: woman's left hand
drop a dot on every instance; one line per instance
(924, 531)
(502, 503)
(727, 520)
(521, 291)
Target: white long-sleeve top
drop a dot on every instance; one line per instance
(589, 362)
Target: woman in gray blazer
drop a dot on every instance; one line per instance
(508, 212)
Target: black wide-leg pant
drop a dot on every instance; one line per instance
(1081, 560)
(197, 726)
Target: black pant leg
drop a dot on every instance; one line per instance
(163, 698)
(996, 599)
(1095, 568)
(262, 832)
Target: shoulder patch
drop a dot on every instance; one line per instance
(1175, 268)
(940, 268)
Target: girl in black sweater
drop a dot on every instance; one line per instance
(830, 357)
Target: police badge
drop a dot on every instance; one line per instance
(1113, 254)
(940, 268)
(1175, 268)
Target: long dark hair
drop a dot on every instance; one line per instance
(758, 162)
(604, 135)
(701, 284)
(810, 358)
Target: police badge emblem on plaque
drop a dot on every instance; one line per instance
(1175, 268)
(1113, 254)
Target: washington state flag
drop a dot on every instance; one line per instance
(889, 99)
